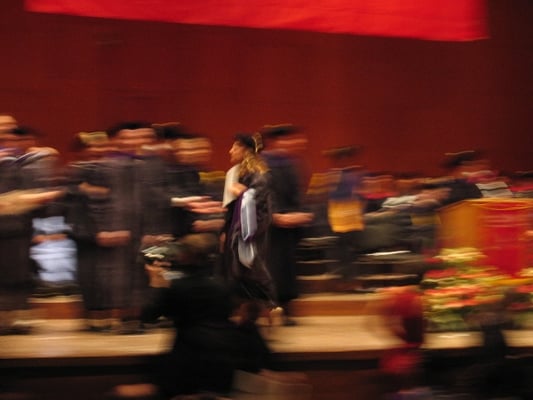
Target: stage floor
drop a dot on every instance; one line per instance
(338, 354)
(317, 337)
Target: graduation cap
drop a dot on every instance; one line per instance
(280, 130)
(127, 125)
(7, 122)
(252, 141)
(93, 138)
(171, 131)
(341, 152)
(454, 160)
(526, 175)
(22, 131)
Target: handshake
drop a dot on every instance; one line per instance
(158, 264)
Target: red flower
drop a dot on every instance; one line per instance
(441, 273)
(518, 306)
(524, 289)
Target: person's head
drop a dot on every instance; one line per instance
(92, 144)
(169, 131)
(459, 164)
(130, 137)
(166, 134)
(341, 156)
(7, 123)
(18, 138)
(245, 151)
(192, 150)
(243, 146)
(287, 138)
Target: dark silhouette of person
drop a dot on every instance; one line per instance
(208, 346)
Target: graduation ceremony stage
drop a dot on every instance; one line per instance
(337, 343)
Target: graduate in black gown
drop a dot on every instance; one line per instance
(26, 174)
(283, 145)
(250, 280)
(113, 200)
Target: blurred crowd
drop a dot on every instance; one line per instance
(85, 227)
(138, 224)
(81, 227)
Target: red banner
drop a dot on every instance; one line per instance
(447, 20)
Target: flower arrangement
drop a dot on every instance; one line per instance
(460, 288)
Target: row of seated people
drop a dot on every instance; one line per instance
(381, 212)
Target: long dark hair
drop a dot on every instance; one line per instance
(252, 162)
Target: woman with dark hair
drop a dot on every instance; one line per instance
(245, 234)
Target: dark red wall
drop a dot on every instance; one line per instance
(405, 101)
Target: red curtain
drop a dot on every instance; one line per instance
(453, 20)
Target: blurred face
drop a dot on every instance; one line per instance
(202, 151)
(195, 151)
(99, 150)
(7, 122)
(294, 144)
(237, 153)
(297, 144)
(134, 139)
(19, 142)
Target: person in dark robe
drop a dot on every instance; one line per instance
(284, 143)
(458, 186)
(208, 346)
(113, 202)
(26, 175)
(196, 208)
(249, 279)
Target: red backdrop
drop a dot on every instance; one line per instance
(435, 19)
(405, 101)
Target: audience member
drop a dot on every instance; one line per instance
(522, 184)
(208, 347)
(458, 186)
(403, 315)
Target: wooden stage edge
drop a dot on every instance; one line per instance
(339, 355)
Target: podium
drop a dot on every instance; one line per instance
(499, 228)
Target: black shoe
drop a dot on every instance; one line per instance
(130, 328)
(289, 322)
(16, 330)
(47, 290)
(5, 330)
(21, 329)
(130, 331)
(160, 324)
(98, 329)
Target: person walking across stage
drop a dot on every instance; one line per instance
(247, 272)
(283, 144)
